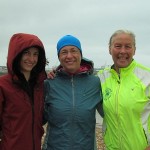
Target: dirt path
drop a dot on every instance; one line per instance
(99, 138)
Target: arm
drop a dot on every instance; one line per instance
(100, 104)
(45, 113)
(100, 109)
(51, 74)
(1, 107)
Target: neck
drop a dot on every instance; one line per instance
(116, 69)
(27, 76)
(72, 72)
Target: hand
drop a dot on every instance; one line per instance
(148, 148)
(51, 74)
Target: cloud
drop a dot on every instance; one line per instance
(92, 22)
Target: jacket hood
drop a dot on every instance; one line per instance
(18, 43)
(87, 66)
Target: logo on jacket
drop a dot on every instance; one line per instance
(107, 94)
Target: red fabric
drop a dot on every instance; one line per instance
(17, 116)
(83, 68)
(18, 43)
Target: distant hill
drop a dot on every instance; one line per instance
(3, 70)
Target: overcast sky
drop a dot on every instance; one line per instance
(92, 21)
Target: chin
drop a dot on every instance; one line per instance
(123, 66)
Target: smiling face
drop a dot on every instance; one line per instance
(70, 58)
(122, 48)
(28, 61)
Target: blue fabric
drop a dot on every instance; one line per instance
(70, 109)
(68, 40)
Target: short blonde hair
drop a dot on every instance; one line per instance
(120, 32)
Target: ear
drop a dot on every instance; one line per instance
(109, 50)
(134, 51)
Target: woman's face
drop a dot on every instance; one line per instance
(122, 49)
(70, 58)
(29, 60)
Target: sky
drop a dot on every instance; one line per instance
(91, 21)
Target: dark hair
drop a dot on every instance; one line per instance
(21, 81)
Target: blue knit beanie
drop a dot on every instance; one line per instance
(68, 40)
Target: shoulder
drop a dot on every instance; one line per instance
(5, 79)
(47, 81)
(50, 82)
(142, 70)
(104, 73)
(92, 80)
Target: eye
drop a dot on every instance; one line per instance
(26, 52)
(63, 52)
(128, 46)
(117, 46)
(36, 54)
(73, 51)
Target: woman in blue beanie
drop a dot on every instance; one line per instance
(71, 99)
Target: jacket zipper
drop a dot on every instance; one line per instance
(33, 127)
(117, 108)
(73, 103)
(32, 106)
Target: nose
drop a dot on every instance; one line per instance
(123, 49)
(31, 58)
(69, 54)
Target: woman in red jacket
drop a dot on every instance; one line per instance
(21, 94)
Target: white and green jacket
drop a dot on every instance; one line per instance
(126, 103)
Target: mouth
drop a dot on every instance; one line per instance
(123, 58)
(29, 64)
(70, 62)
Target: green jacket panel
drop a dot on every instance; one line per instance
(126, 104)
